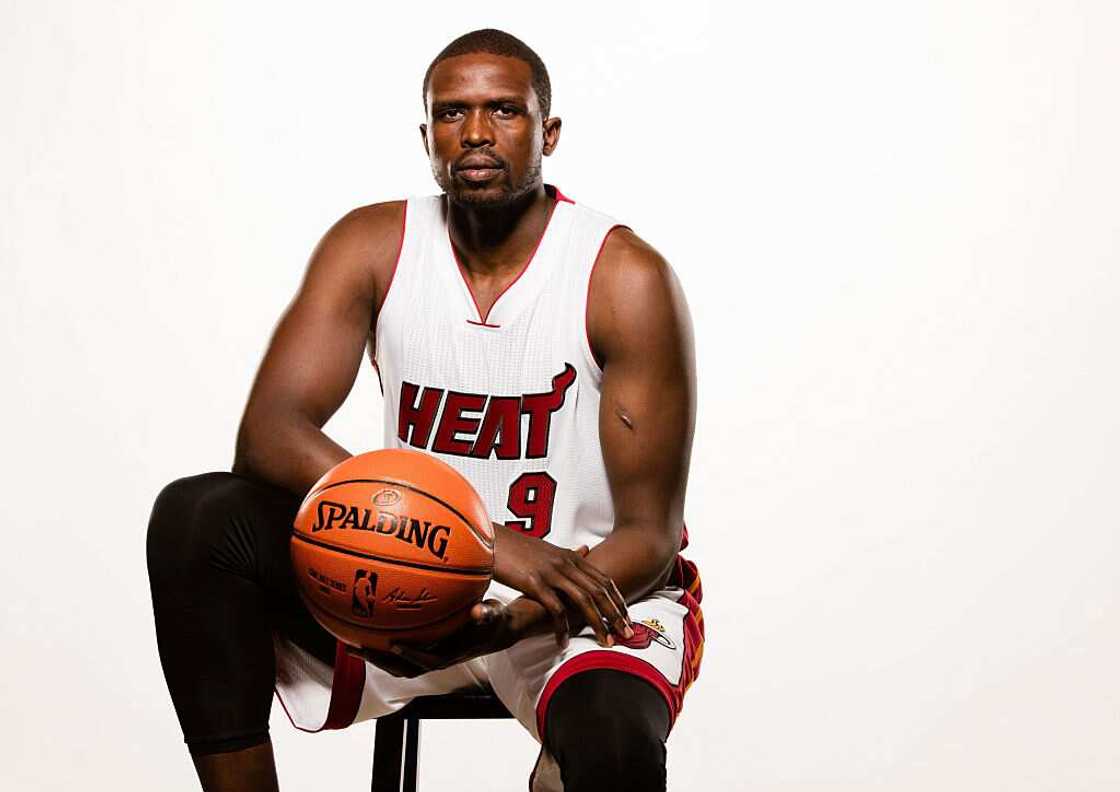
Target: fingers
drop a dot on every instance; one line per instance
(480, 635)
(608, 599)
(564, 579)
(417, 657)
(616, 613)
(594, 602)
(486, 613)
(547, 597)
(389, 662)
(567, 577)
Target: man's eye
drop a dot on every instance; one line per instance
(450, 115)
(507, 111)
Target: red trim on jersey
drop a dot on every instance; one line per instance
(396, 261)
(620, 661)
(388, 286)
(524, 268)
(559, 195)
(481, 324)
(587, 301)
(377, 368)
(347, 685)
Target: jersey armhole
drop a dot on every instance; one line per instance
(379, 310)
(589, 351)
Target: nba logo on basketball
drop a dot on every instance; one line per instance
(364, 593)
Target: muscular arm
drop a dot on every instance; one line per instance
(316, 350)
(640, 330)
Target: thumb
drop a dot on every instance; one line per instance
(583, 550)
(486, 611)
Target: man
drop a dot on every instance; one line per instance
(543, 350)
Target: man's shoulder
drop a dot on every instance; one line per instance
(361, 247)
(633, 296)
(629, 264)
(374, 223)
(371, 236)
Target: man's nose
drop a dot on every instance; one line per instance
(476, 130)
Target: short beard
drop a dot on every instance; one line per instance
(479, 199)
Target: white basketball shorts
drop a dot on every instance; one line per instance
(666, 650)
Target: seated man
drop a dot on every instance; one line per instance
(544, 351)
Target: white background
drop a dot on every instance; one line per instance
(897, 224)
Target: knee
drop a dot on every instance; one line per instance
(184, 517)
(621, 754)
(603, 738)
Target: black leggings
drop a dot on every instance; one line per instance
(221, 580)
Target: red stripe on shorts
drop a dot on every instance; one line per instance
(620, 661)
(346, 688)
(347, 684)
(605, 658)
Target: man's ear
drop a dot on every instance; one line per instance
(424, 138)
(551, 130)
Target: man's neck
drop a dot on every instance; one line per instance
(492, 239)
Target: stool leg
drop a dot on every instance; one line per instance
(388, 747)
(411, 754)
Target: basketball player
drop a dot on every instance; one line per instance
(542, 349)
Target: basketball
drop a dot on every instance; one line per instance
(392, 545)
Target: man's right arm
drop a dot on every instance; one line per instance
(316, 351)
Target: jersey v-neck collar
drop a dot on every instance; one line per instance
(509, 299)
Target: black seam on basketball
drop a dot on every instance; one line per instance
(478, 533)
(315, 606)
(486, 571)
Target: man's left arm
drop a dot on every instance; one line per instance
(639, 328)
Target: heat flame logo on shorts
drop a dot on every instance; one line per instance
(646, 632)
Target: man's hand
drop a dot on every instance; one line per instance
(552, 575)
(492, 628)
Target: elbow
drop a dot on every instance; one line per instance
(667, 553)
(241, 464)
(668, 544)
(657, 545)
(249, 449)
(241, 455)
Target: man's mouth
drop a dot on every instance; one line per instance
(478, 174)
(478, 169)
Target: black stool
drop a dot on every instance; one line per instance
(396, 741)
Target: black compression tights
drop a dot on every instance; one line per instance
(607, 729)
(221, 579)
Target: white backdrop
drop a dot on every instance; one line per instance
(897, 225)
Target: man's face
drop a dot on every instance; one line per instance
(485, 135)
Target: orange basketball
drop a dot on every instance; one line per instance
(392, 545)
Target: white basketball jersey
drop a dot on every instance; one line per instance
(509, 399)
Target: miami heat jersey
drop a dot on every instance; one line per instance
(509, 398)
